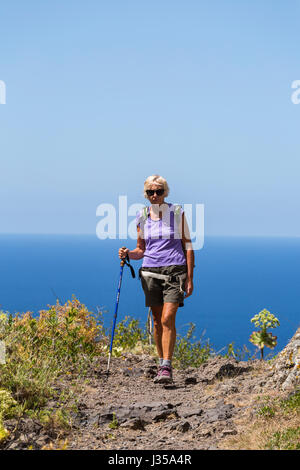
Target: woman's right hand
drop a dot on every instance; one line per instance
(123, 252)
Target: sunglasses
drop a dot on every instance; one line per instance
(159, 192)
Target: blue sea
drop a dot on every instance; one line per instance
(234, 278)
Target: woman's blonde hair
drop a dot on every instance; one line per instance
(156, 179)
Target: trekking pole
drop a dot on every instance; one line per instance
(123, 262)
(149, 326)
(56, 296)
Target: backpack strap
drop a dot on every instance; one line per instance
(143, 216)
(177, 213)
(145, 213)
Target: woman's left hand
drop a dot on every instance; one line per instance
(189, 287)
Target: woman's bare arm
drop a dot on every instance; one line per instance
(189, 254)
(138, 252)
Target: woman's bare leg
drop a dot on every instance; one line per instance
(168, 317)
(157, 328)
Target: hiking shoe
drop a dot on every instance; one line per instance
(156, 380)
(164, 375)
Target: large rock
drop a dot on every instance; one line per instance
(221, 412)
(147, 412)
(286, 367)
(220, 368)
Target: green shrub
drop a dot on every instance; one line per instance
(262, 338)
(189, 352)
(240, 354)
(288, 439)
(128, 334)
(40, 349)
(114, 423)
(7, 405)
(292, 403)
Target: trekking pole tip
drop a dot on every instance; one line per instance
(108, 364)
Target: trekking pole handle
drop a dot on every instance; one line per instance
(123, 255)
(125, 260)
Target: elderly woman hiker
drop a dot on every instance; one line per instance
(164, 243)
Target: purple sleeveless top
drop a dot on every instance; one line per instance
(162, 239)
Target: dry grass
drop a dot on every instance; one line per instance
(273, 428)
(258, 435)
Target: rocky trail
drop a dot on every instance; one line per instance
(196, 412)
(200, 410)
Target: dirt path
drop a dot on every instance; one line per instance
(200, 410)
(206, 407)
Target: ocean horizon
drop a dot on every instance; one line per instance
(235, 277)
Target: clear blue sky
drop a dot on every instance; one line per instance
(101, 94)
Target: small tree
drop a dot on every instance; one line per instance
(262, 338)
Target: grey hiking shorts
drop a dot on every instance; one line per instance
(159, 291)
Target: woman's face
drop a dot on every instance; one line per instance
(155, 199)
